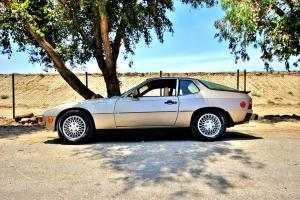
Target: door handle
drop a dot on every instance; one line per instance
(170, 102)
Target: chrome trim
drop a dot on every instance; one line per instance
(147, 81)
(145, 112)
(177, 87)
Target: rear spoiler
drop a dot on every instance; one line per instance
(245, 92)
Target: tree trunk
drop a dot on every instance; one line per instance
(110, 69)
(67, 75)
(112, 84)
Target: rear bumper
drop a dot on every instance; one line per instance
(248, 117)
(254, 116)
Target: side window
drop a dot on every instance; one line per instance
(187, 87)
(165, 87)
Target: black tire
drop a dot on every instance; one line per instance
(219, 126)
(75, 122)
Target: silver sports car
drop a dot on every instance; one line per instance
(206, 107)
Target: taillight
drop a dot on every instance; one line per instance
(243, 104)
(40, 119)
(250, 104)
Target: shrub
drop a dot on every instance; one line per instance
(254, 94)
(291, 93)
(4, 96)
(270, 102)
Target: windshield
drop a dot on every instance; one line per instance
(216, 86)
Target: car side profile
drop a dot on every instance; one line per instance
(170, 102)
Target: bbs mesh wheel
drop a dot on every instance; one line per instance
(208, 125)
(75, 126)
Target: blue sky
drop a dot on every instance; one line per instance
(192, 48)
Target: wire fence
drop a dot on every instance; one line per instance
(34, 93)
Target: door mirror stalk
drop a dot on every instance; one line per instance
(135, 94)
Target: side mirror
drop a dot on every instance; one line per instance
(135, 94)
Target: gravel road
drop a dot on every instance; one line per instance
(253, 161)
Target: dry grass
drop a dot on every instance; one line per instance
(37, 92)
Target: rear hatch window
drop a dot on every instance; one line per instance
(216, 86)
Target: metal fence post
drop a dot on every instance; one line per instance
(245, 74)
(160, 75)
(237, 79)
(13, 96)
(86, 79)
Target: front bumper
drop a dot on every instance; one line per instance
(48, 122)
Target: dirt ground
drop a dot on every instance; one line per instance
(259, 160)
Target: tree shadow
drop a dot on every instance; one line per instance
(16, 130)
(148, 158)
(232, 135)
(271, 119)
(277, 120)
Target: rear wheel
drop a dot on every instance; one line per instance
(74, 127)
(208, 125)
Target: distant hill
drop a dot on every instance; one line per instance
(37, 92)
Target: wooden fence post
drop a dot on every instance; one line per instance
(86, 80)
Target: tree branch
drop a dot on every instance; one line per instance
(75, 22)
(7, 3)
(290, 4)
(67, 75)
(104, 34)
(118, 39)
(278, 10)
(97, 47)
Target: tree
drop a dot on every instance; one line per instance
(56, 32)
(271, 25)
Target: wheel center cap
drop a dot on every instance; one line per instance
(74, 127)
(209, 125)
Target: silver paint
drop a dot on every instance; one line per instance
(147, 112)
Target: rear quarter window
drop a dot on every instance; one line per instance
(187, 87)
(216, 86)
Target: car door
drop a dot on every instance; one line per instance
(146, 111)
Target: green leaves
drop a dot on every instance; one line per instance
(271, 25)
(70, 26)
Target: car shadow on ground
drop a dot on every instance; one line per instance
(148, 135)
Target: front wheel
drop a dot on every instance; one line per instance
(74, 127)
(208, 125)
